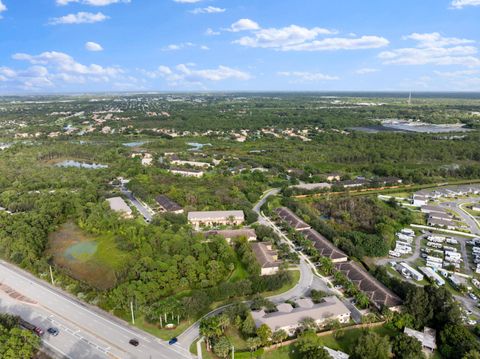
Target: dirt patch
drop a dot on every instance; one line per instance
(76, 253)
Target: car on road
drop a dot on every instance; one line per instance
(472, 296)
(134, 342)
(39, 331)
(53, 331)
(172, 341)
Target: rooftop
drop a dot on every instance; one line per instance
(118, 204)
(380, 295)
(291, 218)
(287, 316)
(427, 337)
(266, 257)
(323, 245)
(215, 215)
(167, 203)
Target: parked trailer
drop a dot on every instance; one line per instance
(413, 272)
(432, 275)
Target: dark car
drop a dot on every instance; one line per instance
(172, 341)
(53, 331)
(134, 342)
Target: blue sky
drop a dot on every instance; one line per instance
(254, 45)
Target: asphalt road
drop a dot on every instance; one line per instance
(147, 215)
(85, 331)
(456, 206)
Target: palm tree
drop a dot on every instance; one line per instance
(279, 336)
(253, 344)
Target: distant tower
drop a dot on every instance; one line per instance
(410, 99)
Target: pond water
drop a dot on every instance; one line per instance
(81, 251)
(197, 146)
(77, 164)
(403, 127)
(134, 144)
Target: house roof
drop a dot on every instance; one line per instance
(441, 215)
(287, 316)
(323, 245)
(439, 222)
(118, 204)
(291, 218)
(427, 337)
(215, 215)
(233, 233)
(380, 295)
(265, 256)
(167, 203)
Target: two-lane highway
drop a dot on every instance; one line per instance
(85, 331)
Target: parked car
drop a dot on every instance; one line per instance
(53, 331)
(172, 341)
(134, 342)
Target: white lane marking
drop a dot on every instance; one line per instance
(78, 306)
(57, 350)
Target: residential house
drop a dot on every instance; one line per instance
(167, 205)
(266, 258)
(118, 205)
(186, 172)
(216, 218)
(230, 234)
(289, 318)
(433, 222)
(324, 246)
(292, 219)
(427, 338)
(376, 292)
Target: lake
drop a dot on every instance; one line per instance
(77, 164)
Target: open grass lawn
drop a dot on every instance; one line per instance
(239, 273)
(287, 286)
(164, 334)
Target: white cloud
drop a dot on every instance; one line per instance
(457, 73)
(62, 62)
(92, 2)
(244, 25)
(433, 49)
(2, 8)
(298, 38)
(460, 4)
(365, 71)
(93, 46)
(211, 32)
(188, 74)
(434, 39)
(308, 76)
(183, 45)
(208, 10)
(281, 38)
(79, 18)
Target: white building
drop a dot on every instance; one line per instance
(427, 338)
(216, 218)
(289, 318)
(118, 205)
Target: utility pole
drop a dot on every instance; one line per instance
(51, 276)
(131, 309)
(233, 352)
